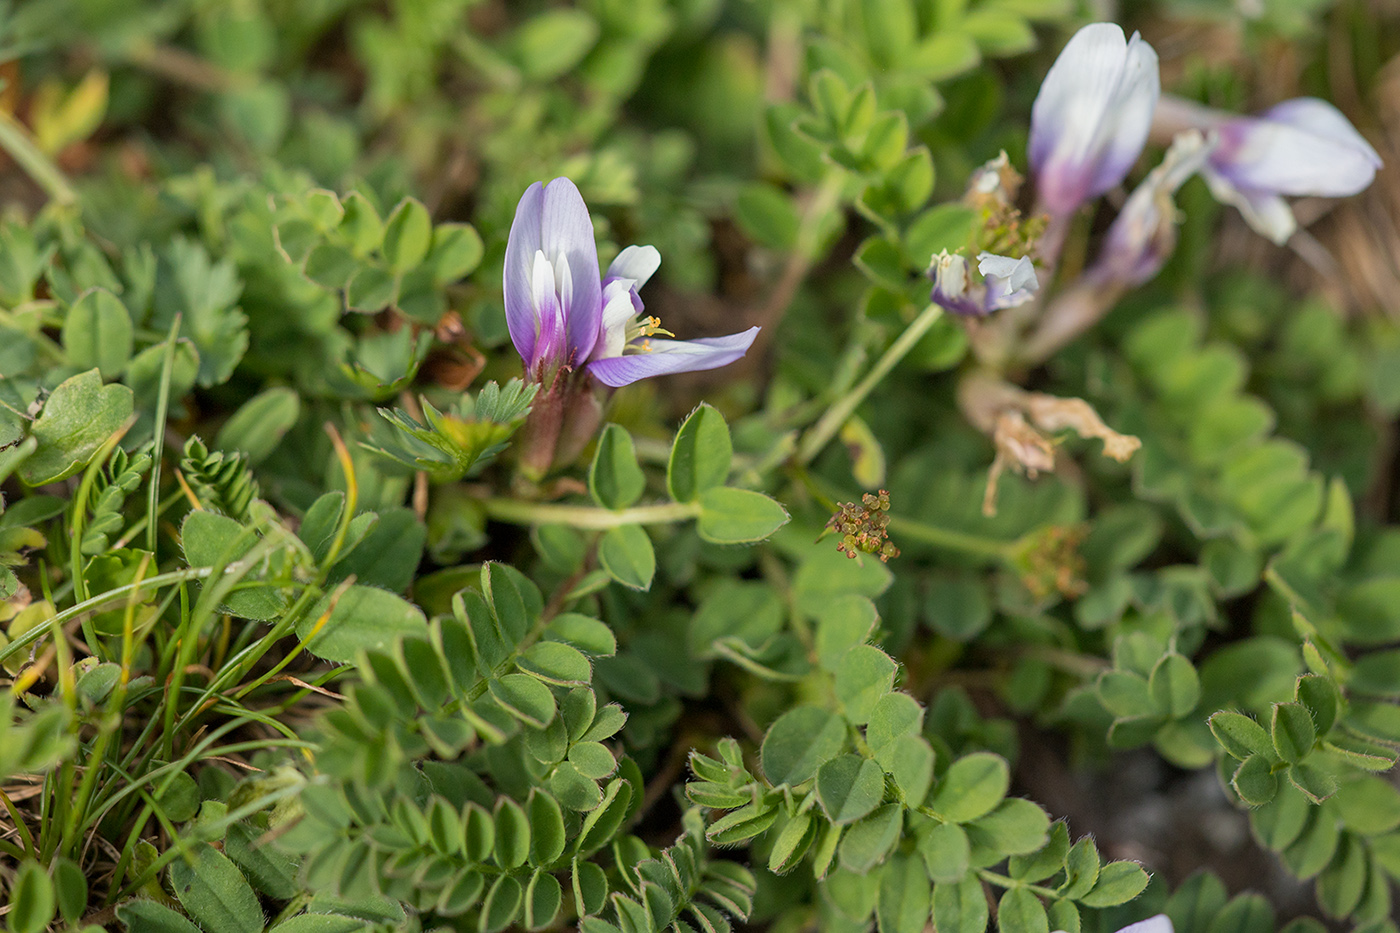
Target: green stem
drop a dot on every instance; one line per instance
(35, 634)
(1002, 881)
(825, 429)
(18, 144)
(518, 512)
(948, 539)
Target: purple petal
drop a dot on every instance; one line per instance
(1300, 147)
(1091, 116)
(567, 230)
(673, 356)
(521, 247)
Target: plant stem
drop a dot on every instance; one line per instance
(18, 145)
(836, 416)
(948, 539)
(519, 512)
(32, 635)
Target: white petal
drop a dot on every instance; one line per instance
(618, 311)
(1268, 214)
(1321, 119)
(638, 263)
(564, 280)
(1158, 924)
(541, 283)
(1017, 273)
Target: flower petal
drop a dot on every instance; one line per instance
(673, 356)
(620, 306)
(1091, 116)
(1267, 213)
(521, 247)
(638, 263)
(567, 230)
(1321, 119)
(1009, 282)
(1301, 147)
(1158, 924)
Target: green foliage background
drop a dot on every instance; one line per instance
(288, 646)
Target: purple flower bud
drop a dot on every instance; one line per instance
(1091, 117)
(1001, 282)
(1300, 147)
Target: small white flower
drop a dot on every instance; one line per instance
(1001, 282)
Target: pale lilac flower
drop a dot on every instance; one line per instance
(1143, 234)
(1001, 282)
(1091, 117)
(560, 314)
(1300, 147)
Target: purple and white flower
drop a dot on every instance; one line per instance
(1300, 147)
(561, 315)
(1091, 117)
(1001, 282)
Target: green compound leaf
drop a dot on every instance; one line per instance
(97, 332)
(363, 618)
(849, 787)
(1314, 782)
(626, 554)
(32, 902)
(1293, 731)
(701, 455)
(1254, 780)
(864, 677)
(525, 698)
(70, 889)
(972, 787)
(408, 233)
(1119, 882)
(866, 844)
(77, 420)
(946, 851)
(1240, 736)
(904, 901)
(213, 891)
(1020, 911)
(260, 423)
(615, 480)
(1319, 695)
(799, 742)
(143, 916)
(738, 516)
(960, 907)
(457, 250)
(1174, 686)
(556, 663)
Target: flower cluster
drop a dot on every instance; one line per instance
(1090, 123)
(864, 528)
